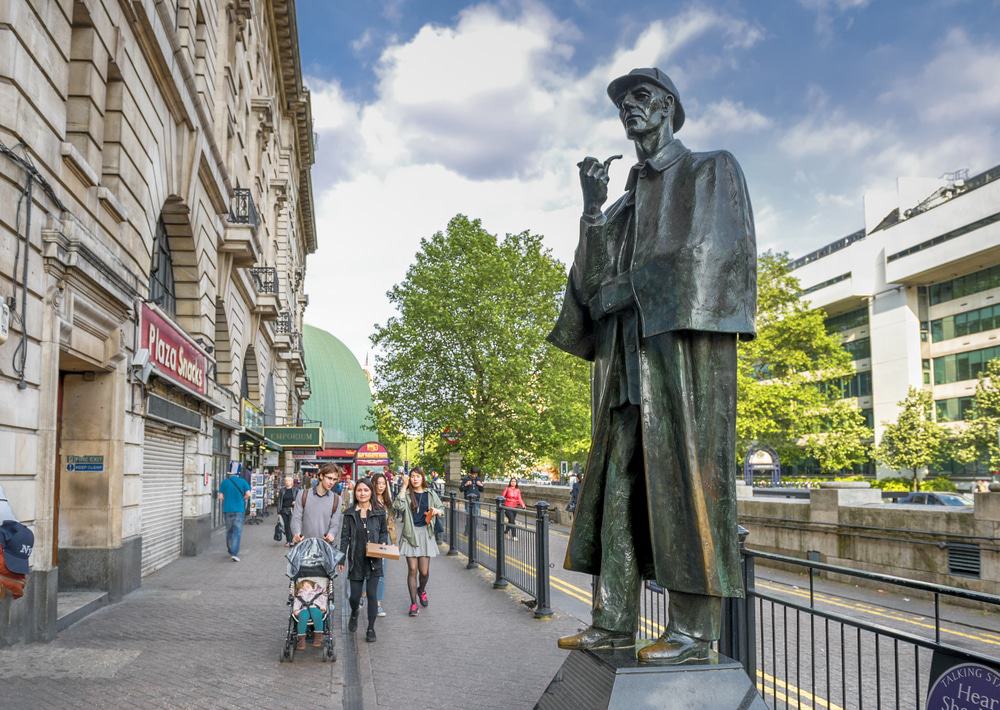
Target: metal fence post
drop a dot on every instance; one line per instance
(501, 554)
(738, 630)
(472, 507)
(748, 626)
(542, 596)
(452, 521)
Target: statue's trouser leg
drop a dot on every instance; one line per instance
(616, 607)
(696, 615)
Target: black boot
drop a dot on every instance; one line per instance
(370, 636)
(352, 624)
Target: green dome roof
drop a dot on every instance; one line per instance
(340, 392)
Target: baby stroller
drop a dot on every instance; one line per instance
(316, 559)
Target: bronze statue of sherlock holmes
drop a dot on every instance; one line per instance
(662, 285)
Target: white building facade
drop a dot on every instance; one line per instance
(915, 295)
(155, 217)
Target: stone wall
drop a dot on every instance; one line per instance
(855, 529)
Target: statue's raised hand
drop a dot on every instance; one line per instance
(594, 181)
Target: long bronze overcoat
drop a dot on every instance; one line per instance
(692, 271)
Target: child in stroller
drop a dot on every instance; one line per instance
(312, 566)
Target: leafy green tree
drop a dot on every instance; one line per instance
(842, 442)
(780, 400)
(978, 440)
(389, 428)
(467, 349)
(914, 441)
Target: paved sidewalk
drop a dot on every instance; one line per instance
(205, 632)
(472, 647)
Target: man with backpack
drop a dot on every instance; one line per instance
(316, 509)
(234, 492)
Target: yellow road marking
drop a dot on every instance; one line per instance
(649, 625)
(795, 693)
(867, 609)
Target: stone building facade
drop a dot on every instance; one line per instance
(155, 218)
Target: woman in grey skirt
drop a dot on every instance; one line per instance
(418, 505)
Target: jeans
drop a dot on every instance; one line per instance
(317, 617)
(234, 530)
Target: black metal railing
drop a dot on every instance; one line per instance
(242, 209)
(803, 650)
(284, 323)
(513, 543)
(265, 279)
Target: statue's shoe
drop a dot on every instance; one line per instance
(675, 648)
(594, 638)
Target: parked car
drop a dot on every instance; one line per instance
(955, 500)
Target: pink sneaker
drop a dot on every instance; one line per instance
(423, 598)
(414, 610)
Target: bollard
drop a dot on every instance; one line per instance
(472, 507)
(452, 517)
(542, 608)
(500, 582)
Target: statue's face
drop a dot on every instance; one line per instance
(645, 108)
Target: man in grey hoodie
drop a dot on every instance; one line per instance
(317, 510)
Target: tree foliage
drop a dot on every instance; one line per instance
(779, 400)
(978, 440)
(466, 349)
(914, 441)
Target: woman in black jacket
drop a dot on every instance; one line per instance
(363, 523)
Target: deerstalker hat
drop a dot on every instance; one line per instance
(618, 87)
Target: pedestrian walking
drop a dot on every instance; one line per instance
(418, 505)
(286, 503)
(512, 499)
(472, 485)
(234, 494)
(364, 522)
(574, 491)
(437, 483)
(316, 509)
(383, 499)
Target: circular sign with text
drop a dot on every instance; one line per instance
(968, 685)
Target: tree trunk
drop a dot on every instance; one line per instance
(916, 483)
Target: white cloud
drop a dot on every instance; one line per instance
(831, 135)
(487, 117)
(828, 11)
(958, 82)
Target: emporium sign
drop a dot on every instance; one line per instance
(174, 354)
(296, 437)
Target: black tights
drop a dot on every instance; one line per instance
(371, 591)
(417, 566)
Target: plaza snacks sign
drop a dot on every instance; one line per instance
(176, 357)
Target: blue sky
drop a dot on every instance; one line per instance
(425, 109)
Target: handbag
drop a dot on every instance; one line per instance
(385, 551)
(279, 530)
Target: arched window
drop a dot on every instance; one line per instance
(269, 400)
(245, 382)
(161, 275)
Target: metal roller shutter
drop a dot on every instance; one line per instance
(162, 498)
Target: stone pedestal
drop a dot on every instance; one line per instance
(615, 680)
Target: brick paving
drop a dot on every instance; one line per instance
(205, 632)
(472, 647)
